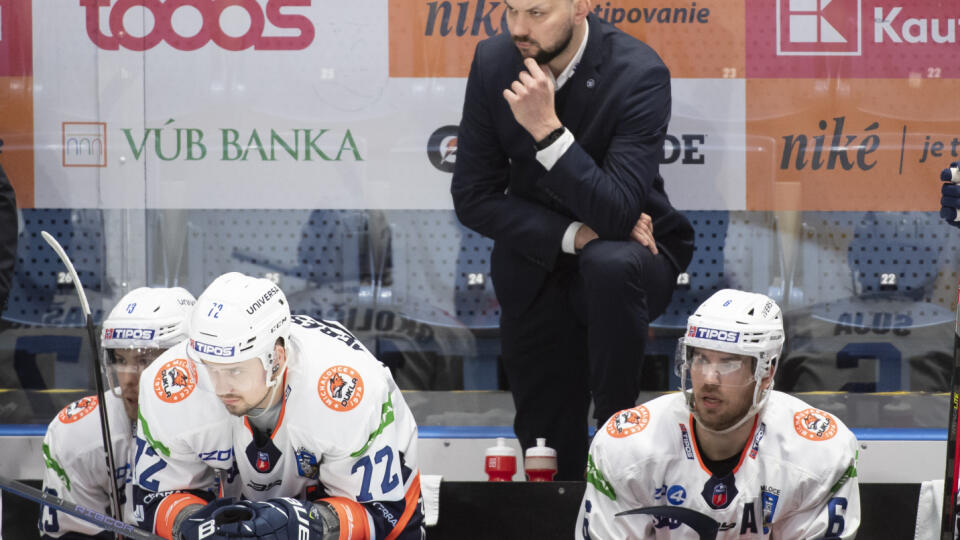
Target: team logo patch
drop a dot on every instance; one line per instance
(78, 409)
(628, 422)
(814, 424)
(770, 497)
(340, 388)
(175, 380)
(720, 492)
(306, 464)
(264, 460)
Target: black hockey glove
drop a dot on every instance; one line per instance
(203, 522)
(950, 201)
(279, 519)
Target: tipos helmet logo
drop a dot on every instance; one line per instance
(628, 422)
(175, 380)
(814, 424)
(340, 388)
(128, 333)
(78, 409)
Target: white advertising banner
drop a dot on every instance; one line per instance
(284, 104)
(704, 155)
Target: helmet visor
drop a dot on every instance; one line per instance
(122, 367)
(716, 368)
(236, 379)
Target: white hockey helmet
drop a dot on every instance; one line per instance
(147, 319)
(735, 322)
(239, 317)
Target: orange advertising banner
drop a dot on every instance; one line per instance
(16, 135)
(702, 39)
(849, 144)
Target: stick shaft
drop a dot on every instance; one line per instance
(89, 515)
(115, 507)
(948, 515)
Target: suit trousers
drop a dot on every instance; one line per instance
(583, 336)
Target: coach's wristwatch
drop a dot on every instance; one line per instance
(549, 139)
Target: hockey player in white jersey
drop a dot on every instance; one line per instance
(287, 424)
(143, 324)
(727, 457)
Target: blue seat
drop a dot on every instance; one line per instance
(441, 279)
(732, 249)
(41, 292)
(872, 296)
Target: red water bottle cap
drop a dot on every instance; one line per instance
(500, 462)
(540, 462)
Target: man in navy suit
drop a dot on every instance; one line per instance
(558, 161)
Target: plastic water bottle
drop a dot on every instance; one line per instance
(500, 462)
(540, 462)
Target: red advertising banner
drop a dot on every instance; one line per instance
(16, 97)
(853, 38)
(16, 41)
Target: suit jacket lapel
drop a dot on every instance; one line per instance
(585, 80)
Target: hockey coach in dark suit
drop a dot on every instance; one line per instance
(558, 162)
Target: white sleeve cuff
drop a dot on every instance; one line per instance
(568, 244)
(549, 156)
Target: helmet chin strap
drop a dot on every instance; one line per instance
(273, 383)
(274, 386)
(754, 409)
(703, 426)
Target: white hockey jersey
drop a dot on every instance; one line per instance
(796, 477)
(344, 431)
(76, 468)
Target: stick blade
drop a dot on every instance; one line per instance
(62, 254)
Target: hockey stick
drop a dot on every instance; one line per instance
(92, 334)
(704, 525)
(949, 509)
(91, 516)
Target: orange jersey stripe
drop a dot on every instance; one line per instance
(283, 409)
(746, 447)
(412, 498)
(168, 509)
(696, 450)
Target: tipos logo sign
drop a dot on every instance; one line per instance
(210, 13)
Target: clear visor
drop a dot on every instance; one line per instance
(716, 368)
(235, 379)
(122, 367)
